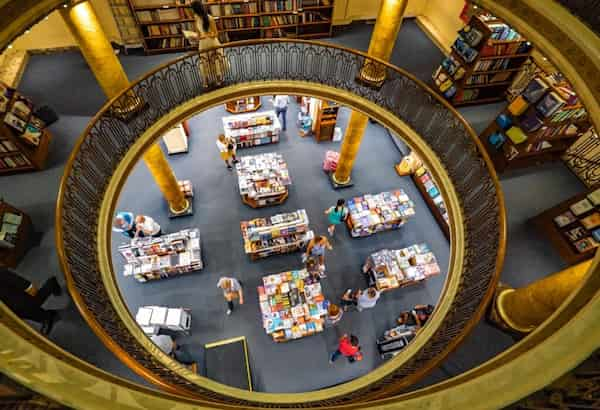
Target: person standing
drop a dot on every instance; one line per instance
(336, 215)
(316, 271)
(368, 299)
(213, 64)
(349, 347)
(417, 317)
(146, 226)
(281, 105)
(124, 223)
(334, 315)
(232, 289)
(26, 301)
(227, 150)
(316, 249)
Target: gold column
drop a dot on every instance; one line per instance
(381, 46)
(100, 56)
(523, 309)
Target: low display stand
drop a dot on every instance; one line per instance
(263, 179)
(370, 214)
(15, 227)
(395, 340)
(292, 305)
(391, 269)
(278, 234)
(153, 258)
(243, 105)
(573, 226)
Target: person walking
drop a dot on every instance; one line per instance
(26, 301)
(213, 64)
(368, 299)
(124, 223)
(336, 215)
(146, 226)
(349, 347)
(227, 150)
(316, 249)
(281, 105)
(232, 289)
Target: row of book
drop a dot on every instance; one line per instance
(311, 17)
(263, 175)
(493, 65)
(18, 113)
(166, 43)
(389, 269)
(167, 29)
(7, 146)
(581, 223)
(505, 49)
(14, 161)
(281, 20)
(279, 5)
(238, 22)
(504, 32)
(167, 15)
(489, 78)
(292, 305)
(9, 229)
(252, 128)
(424, 178)
(275, 226)
(369, 214)
(160, 3)
(219, 10)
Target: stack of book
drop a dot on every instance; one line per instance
(581, 223)
(263, 175)
(169, 255)
(292, 305)
(278, 234)
(390, 269)
(252, 129)
(9, 228)
(370, 214)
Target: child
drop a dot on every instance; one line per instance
(227, 149)
(336, 215)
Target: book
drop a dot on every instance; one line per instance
(581, 207)
(15, 122)
(11, 218)
(596, 235)
(516, 135)
(534, 90)
(594, 197)
(564, 219)
(550, 104)
(576, 233)
(585, 244)
(471, 35)
(591, 221)
(530, 121)
(518, 106)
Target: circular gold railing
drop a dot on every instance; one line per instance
(128, 124)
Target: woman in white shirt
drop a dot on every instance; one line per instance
(146, 226)
(368, 299)
(232, 289)
(227, 150)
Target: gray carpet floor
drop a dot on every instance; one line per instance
(64, 81)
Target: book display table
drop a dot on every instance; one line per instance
(164, 256)
(292, 305)
(573, 226)
(370, 214)
(278, 234)
(249, 130)
(154, 318)
(263, 179)
(15, 227)
(391, 269)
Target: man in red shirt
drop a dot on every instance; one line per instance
(347, 347)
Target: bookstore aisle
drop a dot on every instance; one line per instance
(218, 212)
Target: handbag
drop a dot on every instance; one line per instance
(358, 356)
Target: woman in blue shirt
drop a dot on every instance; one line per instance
(336, 215)
(125, 223)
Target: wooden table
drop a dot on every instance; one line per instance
(11, 257)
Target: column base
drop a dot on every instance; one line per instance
(495, 318)
(339, 185)
(376, 84)
(188, 211)
(129, 109)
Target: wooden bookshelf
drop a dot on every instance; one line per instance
(10, 257)
(326, 120)
(481, 67)
(236, 20)
(243, 105)
(435, 210)
(546, 143)
(545, 223)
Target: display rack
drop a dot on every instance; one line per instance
(263, 179)
(24, 138)
(573, 226)
(370, 214)
(152, 258)
(390, 269)
(538, 126)
(162, 22)
(326, 118)
(484, 60)
(15, 227)
(394, 340)
(292, 305)
(243, 105)
(176, 139)
(278, 234)
(252, 129)
(433, 198)
(128, 28)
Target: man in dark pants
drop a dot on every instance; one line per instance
(21, 296)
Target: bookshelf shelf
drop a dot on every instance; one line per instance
(443, 224)
(482, 64)
(10, 256)
(236, 20)
(547, 224)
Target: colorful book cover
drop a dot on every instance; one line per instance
(581, 207)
